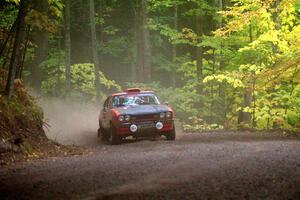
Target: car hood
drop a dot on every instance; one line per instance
(142, 109)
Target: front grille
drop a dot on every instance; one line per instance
(150, 117)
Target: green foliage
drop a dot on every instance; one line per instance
(13, 1)
(247, 58)
(56, 7)
(83, 82)
(195, 124)
(229, 78)
(115, 47)
(173, 36)
(264, 65)
(201, 8)
(20, 112)
(7, 17)
(47, 20)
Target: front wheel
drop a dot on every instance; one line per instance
(102, 134)
(171, 135)
(113, 138)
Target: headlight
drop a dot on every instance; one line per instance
(162, 115)
(121, 118)
(168, 114)
(127, 117)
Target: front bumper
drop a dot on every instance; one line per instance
(145, 128)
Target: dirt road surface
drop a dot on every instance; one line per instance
(227, 165)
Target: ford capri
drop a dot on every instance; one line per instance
(135, 113)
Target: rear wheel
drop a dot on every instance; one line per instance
(171, 135)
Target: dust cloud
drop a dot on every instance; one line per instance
(70, 122)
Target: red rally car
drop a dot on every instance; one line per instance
(134, 113)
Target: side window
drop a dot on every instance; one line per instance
(105, 105)
(115, 101)
(151, 100)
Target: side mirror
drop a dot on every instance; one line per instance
(166, 103)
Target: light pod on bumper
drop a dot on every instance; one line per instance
(133, 128)
(159, 125)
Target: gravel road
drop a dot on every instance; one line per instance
(224, 165)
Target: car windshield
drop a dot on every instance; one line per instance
(137, 99)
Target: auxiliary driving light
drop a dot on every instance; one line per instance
(159, 125)
(133, 128)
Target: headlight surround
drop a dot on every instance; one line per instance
(169, 114)
(124, 118)
(127, 117)
(121, 118)
(162, 115)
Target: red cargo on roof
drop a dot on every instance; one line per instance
(129, 90)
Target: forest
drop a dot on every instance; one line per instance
(221, 64)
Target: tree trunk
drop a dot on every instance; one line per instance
(245, 117)
(253, 98)
(23, 54)
(17, 49)
(8, 39)
(8, 52)
(174, 51)
(58, 70)
(222, 93)
(101, 34)
(94, 48)
(68, 47)
(139, 42)
(276, 14)
(199, 54)
(134, 53)
(40, 39)
(212, 88)
(146, 43)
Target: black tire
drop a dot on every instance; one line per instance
(102, 134)
(171, 135)
(113, 138)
